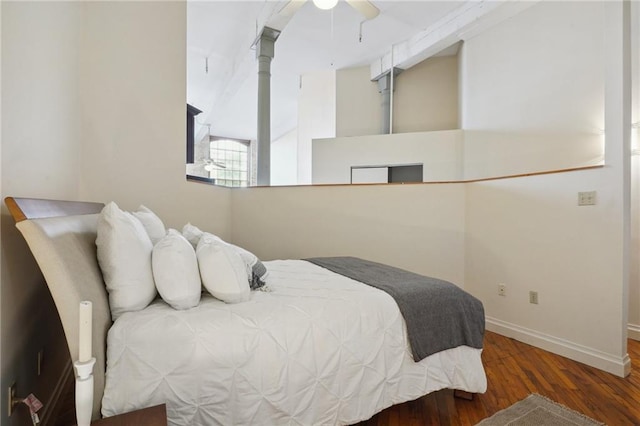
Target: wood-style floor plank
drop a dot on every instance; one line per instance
(514, 370)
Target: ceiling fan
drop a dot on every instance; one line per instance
(210, 164)
(364, 7)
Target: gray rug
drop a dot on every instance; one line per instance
(536, 410)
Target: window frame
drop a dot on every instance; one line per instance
(244, 142)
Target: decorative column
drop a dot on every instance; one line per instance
(265, 49)
(384, 88)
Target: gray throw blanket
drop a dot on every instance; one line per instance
(438, 314)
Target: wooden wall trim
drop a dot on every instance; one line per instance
(548, 172)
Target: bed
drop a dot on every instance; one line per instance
(318, 348)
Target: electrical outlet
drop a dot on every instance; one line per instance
(533, 297)
(11, 394)
(502, 290)
(587, 198)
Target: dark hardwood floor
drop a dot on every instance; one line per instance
(514, 370)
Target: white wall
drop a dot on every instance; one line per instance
(316, 116)
(559, 126)
(40, 158)
(538, 57)
(528, 233)
(493, 153)
(134, 98)
(413, 226)
(284, 159)
(439, 152)
(634, 282)
(634, 279)
(451, 155)
(534, 81)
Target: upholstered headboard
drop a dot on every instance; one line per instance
(61, 236)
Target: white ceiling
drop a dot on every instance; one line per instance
(312, 40)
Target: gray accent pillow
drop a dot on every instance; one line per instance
(258, 275)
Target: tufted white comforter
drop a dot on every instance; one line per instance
(318, 349)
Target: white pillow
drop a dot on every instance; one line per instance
(192, 233)
(151, 222)
(175, 271)
(124, 256)
(257, 271)
(223, 272)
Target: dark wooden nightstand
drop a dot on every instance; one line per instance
(152, 416)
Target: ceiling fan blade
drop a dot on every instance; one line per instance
(291, 8)
(365, 7)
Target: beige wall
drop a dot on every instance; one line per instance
(40, 158)
(93, 96)
(358, 103)
(414, 226)
(284, 159)
(134, 97)
(527, 233)
(426, 96)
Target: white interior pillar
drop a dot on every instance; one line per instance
(265, 49)
(618, 142)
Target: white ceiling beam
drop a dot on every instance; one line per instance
(465, 22)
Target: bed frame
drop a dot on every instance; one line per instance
(61, 236)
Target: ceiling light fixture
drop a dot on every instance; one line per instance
(325, 4)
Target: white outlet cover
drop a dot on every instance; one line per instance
(587, 198)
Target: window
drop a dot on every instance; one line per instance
(229, 164)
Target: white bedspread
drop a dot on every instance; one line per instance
(319, 349)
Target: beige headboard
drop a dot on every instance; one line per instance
(62, 236)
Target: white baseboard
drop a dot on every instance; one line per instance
(633, 331)
(620, 366)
